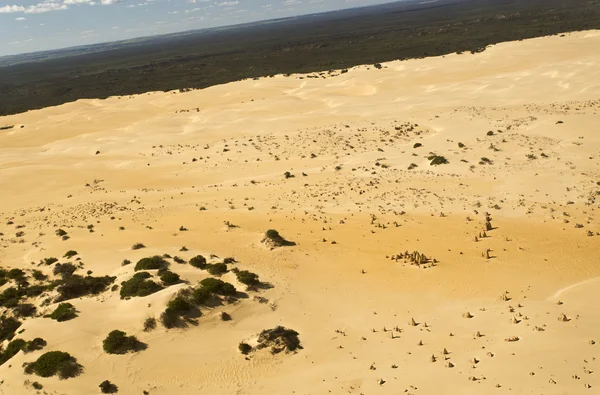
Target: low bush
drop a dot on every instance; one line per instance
(106, 387)
(219, 287)
(437, 160)
(151, 263)
(8, 327)
(60, 233)
(178, 259)
(169, 278)
(117, 342)
(50, 261)
(170, 319)
(69, 254)
(15, 274)
(64, 312)
(35, 290)
(198, 261)
(34, 345)
(64, 269)
(216, 268)
(244, 348)
(201, 295)
(179, 305)
(279, 339)
(137, 246)
(125, 262)
(248, 278)
(11, 350)
(38, 275)
(139, 285)
(24, 310)
(54, 363)
(76, 286)
(149, 324)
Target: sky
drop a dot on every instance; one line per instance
(36, 25)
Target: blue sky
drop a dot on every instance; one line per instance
(34, 25)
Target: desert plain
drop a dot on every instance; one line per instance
(486, 164)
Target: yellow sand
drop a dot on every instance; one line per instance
(539, 97)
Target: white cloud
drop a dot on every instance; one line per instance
(19, 19)
(74, 2)
(45, 6)
(227, 3)
(11, 8)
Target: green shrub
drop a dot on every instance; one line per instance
(37, 386)
(54, 363)
(34, 345)
(35, 290)
(198, 261)
(179, 305)
(170, 319)
(151, 263)
(76, 286)
(64, 312)
(200, 295)
(8, 327)
(60, 233)
(38, 275)
(70, 254)
(272, 234)
(169, 278)
(50, 261)
(24, 310)
(15, 274)
(125, 262)
(248, 278)
(437, 160)
(139, 285)
(178, 259)
(117, 342)
(279, 339)
(149, 324)
(10, 297)
(106, 387)
(214, 285)
(11, 350)
(244, 348)
(216, 269)
(137, 246)
(64, 269)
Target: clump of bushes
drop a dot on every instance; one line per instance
(274, 239)
(117, 342)
(216, 286)
(248, 278)
(437, 160)
(244, 348)
(138, 246)
(54, 363)
(60, 233)
(106, 387)
(178, 308)
(64, 269)
(169, 278)
(34, 345)
(50, 261)
(38, 275)
(64, 312)
(216, 268)
(279, 339)
(198, 261)
(149, 324)
(24, 310)
(76, 286)
(11, 350)
(69, 254)
(15, 274)
(151, 263)
(8, 327)
(139, 285)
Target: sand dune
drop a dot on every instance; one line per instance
(504, 308)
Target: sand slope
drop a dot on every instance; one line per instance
(519, 126)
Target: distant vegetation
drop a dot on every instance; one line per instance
(151, 263)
